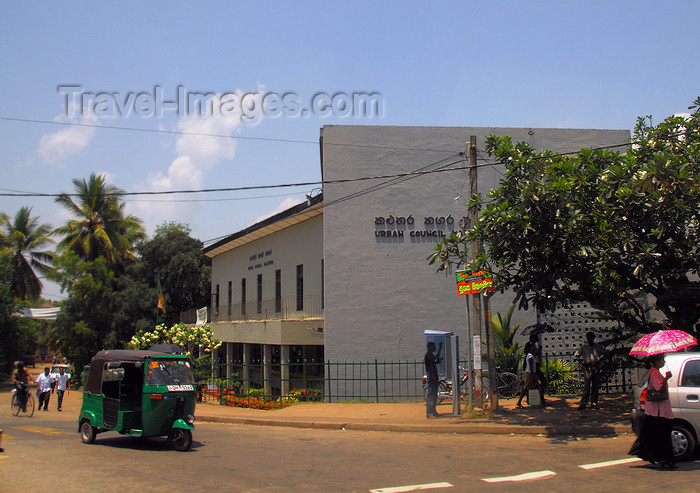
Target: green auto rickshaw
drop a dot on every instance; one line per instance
(138, 393)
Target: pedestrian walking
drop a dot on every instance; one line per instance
(44, 392)
(537, 353)
(530, 374)
(591, 355)
(654, 442)
(432, 361)
(62, 384)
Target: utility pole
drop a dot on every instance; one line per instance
(476, 298)
(491, 349)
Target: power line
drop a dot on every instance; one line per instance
(218, 136)
(237, 189)
(420, 171)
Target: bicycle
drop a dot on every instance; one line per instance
(508, 386)
(16, 405)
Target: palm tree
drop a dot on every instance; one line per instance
(101, 227)
(25, 237)
(504, 336)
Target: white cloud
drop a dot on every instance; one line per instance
(56, 147)
(283, 206)
(197, 152)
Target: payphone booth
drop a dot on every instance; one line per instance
(449, 366)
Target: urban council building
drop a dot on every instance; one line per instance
(343, 277)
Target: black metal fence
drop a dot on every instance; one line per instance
(386, 381)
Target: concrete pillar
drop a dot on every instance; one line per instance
(229, 359)
(246, 366)
(284, 369)
(267, 368)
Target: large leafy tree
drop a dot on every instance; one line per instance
(599, 226)
(85, 323)
(18, 336)
(8, 324)
(107, 306)
(175, 260)
(101, 227)
(27, 239)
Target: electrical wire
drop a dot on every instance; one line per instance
(218, 136)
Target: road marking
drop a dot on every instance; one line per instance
(413, 487)
(42, 430)
(521, 477)
(610, 463)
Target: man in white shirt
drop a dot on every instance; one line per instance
(44, 383)
(61, 385)
(62, 382)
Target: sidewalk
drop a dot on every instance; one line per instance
(561, 417)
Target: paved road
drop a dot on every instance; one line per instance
(45, 453)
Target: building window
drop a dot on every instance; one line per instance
(243, 296)
(278, 291)
(230, 298)
(216, 300)
(300, 287)
(259, 293)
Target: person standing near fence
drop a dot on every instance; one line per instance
(591, 355)
(432, 361)
(62, 382)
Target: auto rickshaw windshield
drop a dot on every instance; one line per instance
(169, 372)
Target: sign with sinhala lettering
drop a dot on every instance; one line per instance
(474, 282)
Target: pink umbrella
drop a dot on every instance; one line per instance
(663, 341)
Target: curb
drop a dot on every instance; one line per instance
(460, 428)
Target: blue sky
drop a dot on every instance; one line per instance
(592, 64)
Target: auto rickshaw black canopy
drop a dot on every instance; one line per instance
(94, 382)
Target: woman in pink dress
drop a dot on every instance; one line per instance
(654, 443)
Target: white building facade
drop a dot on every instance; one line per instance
(267, 300)
(389, 195)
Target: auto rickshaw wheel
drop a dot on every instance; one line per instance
(87, 432)
(181, 439)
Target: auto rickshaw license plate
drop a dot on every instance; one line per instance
(180, 388)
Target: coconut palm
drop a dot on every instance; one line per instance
(101, 227)
(26, 237)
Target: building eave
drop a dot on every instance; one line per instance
(299, 213)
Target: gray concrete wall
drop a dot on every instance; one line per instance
(380, 291)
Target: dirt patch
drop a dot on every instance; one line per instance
(612, 410)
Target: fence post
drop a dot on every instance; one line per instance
(328, 379)
(376, 379)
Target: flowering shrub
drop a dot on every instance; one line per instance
(255, 398)
(184, 335)
(306, 395)
(251, 402)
